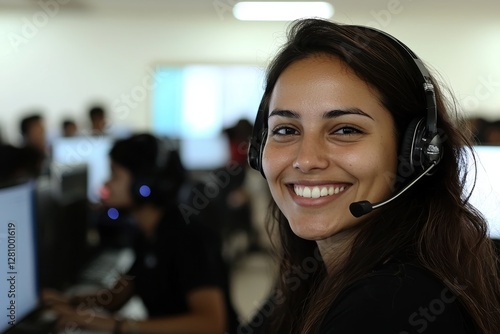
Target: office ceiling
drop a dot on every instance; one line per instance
(120, 5)
(209, 7)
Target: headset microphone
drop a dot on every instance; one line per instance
(361, 208)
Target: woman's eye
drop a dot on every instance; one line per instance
(347, 130)
(284, 131)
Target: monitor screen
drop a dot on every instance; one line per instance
(91, 150)
(204, 154)
(18, 262)
(486, 194)
(195, 103)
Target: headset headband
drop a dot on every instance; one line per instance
(426, 82)
(427, 143)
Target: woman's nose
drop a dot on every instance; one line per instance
(311, 154)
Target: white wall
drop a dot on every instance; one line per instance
(65, 61)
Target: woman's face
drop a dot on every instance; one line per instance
(331, 142)
(118, 187)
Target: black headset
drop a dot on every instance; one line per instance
(153, 185)
(421, 144)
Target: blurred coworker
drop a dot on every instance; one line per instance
(19, 162)
(492, 133)
(97, 118)
(33, 134)
(174, 273)
(246, 197)
(100, 125)
(477, 126)
(69, 128)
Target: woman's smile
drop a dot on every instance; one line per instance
(317, 191)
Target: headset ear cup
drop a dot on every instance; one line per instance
(255, 150)
(253, 153)
(261, 151)
(406, 166)
(153, 185)
(155, 188)
(139, 186)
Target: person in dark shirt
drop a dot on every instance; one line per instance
(33, 132)
(32, 128)
(176, 271)
(20, 162)
(364, 161)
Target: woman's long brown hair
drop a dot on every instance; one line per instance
(432, 223)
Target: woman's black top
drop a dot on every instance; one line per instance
(396, 298)
(399, 298)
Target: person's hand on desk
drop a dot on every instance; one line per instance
(71, 317)
(73, 312)
(206, 315)
(51, 297)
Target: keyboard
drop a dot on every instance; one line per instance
(105, 270)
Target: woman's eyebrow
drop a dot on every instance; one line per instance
(284, 113)
(343, 112)
(328, 114)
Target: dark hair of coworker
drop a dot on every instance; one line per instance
(96, 112)
(432, 224)
(139, 155)
(27, 122)
(67, 122)
(19, 162)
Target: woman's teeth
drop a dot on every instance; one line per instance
(316, 192)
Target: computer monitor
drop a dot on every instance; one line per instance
(204, 154)
(91, 150)
(486, 193)
(19, 289)
(70, 183)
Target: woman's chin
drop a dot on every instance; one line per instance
(313, 231)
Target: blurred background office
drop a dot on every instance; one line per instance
(189, 71)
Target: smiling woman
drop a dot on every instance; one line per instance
(351, 115)
(327, 131)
